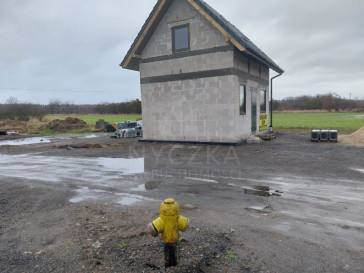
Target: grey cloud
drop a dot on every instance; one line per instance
(77, 45)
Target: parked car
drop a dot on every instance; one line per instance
(129, 129)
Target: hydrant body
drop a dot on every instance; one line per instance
(169, 223)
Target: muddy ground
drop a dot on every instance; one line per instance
(82, 203)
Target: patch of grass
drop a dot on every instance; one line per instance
(50, 132)
(92, 119)
(47, 132)
(231, 256)
(345, 123)
(123, 245)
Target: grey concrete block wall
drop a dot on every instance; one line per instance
(241, 62)
(197, 63)
(181, 111)
(202, 109)
(204, 113)
(264, 73)
(254, 68)
(203, 34)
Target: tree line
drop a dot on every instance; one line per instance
(13, 109)
(328, 102)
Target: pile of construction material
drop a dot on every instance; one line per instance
(356, 138)
(62, 126)
(267, 136)
(102, 125)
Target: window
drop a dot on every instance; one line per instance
(263, 101)
(242, 103)
(181, 38)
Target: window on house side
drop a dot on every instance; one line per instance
(263, 101)
(181, 38)
(242, 103)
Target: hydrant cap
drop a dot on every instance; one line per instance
(169, 201)
(169, 208)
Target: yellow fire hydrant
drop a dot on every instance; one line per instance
(169, 223)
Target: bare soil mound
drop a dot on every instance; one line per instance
(356, 138)
(62, 126)
(13, 125)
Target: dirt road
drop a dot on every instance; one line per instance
(81, 204)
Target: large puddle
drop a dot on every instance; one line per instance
(25, 141)
(124, 165)
(95, 176)
(356, 116)
(42, 140)
(127, 181)
(60, 168)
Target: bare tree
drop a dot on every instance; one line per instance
(12, 100)
(54, 106)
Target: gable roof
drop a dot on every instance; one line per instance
(228, 30)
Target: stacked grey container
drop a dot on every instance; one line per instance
(324, 135)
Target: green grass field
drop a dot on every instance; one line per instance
(346, 123)
(92, 119)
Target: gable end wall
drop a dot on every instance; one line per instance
(203, 34)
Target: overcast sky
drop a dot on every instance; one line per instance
(71, 49)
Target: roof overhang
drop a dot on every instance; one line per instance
(131, 59)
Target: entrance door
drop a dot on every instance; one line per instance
(254, 112)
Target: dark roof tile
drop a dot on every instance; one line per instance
(239, 36)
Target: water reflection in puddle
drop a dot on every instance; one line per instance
(115, 173)
(358, 170)
(125, 165)
(262, 191)
(84, 193)
(90, 136)
(148, 186)
(25, 141)
(93, 170)
(139, 188)
(126, 199)
(201, 179)
(260, 209)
